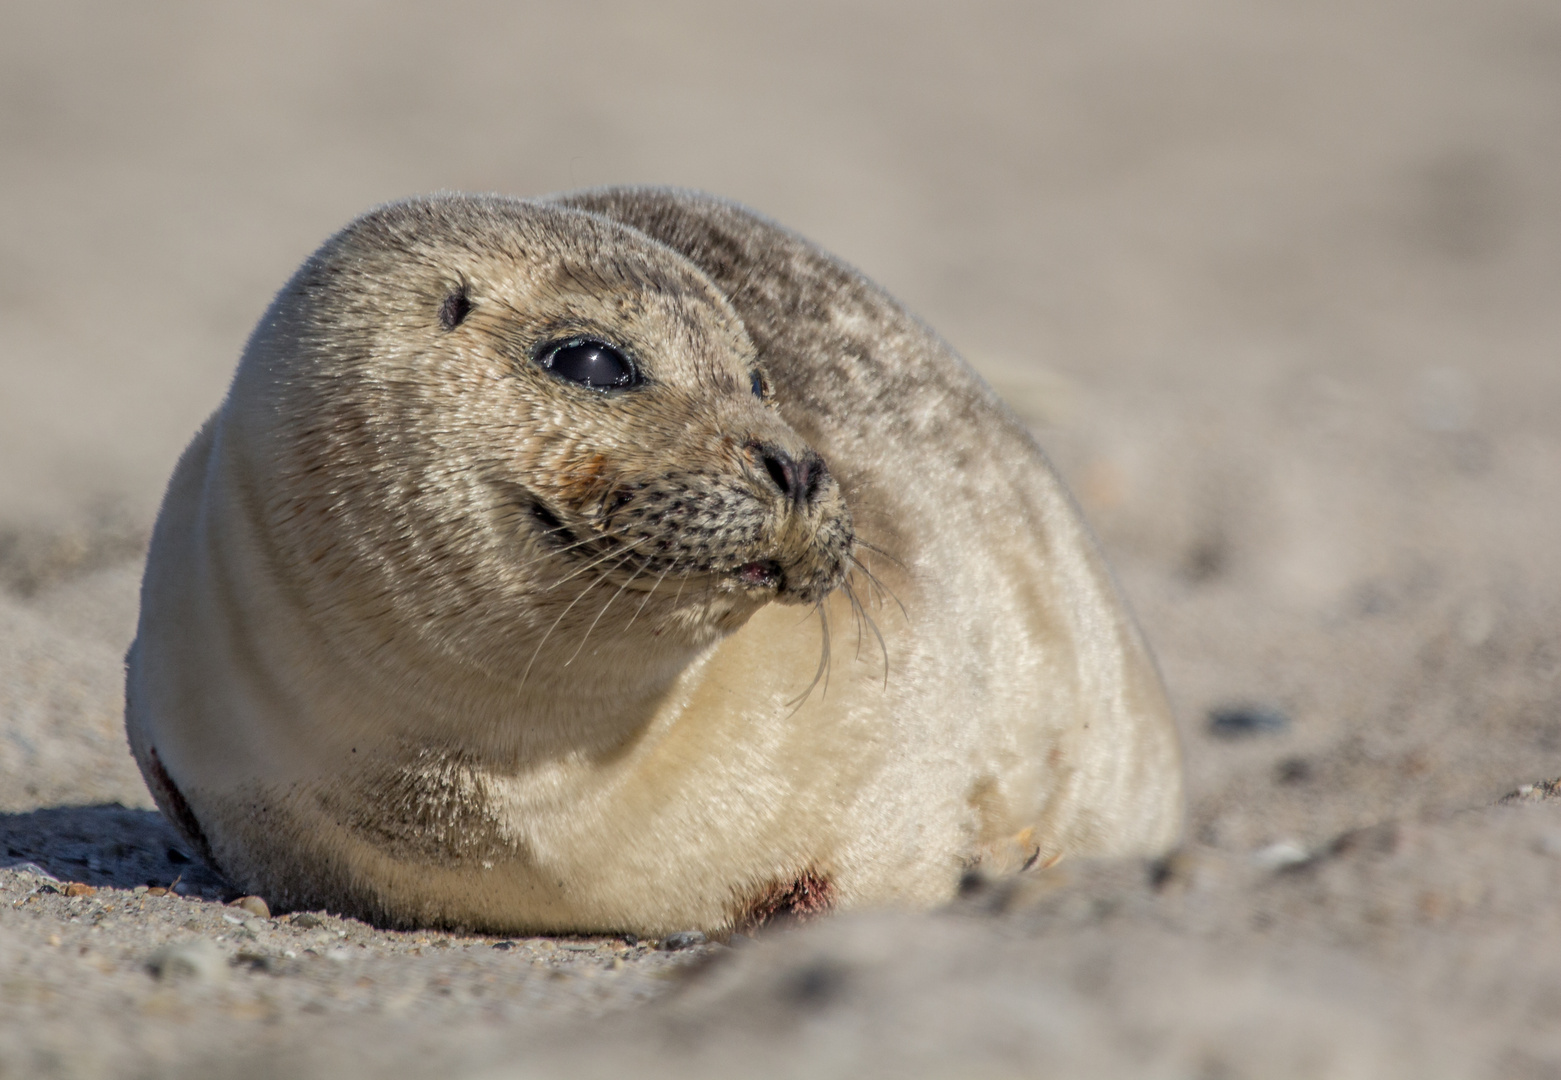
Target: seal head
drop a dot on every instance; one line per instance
(522, 422)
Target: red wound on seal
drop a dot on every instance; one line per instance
(807, 897)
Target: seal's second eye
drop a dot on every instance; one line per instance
(590, 363)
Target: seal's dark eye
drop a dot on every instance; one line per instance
(757, 382)
(590, 363)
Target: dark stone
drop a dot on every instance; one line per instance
(1243, 721)
(1293, 770)
(255, 961)
(683, 939)
(973, 883)
(1380, 839)
(816, 984)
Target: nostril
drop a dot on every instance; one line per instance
(798, 480)
(781, 469)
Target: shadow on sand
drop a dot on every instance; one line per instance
(104, 845)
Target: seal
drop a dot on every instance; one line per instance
(622, 562)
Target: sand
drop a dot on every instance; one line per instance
(1275, 285)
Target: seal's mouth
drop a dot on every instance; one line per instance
(766, 574)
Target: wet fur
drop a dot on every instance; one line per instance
(432, 637)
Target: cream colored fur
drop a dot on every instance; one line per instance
(366, 679)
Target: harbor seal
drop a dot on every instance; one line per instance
(622, 562)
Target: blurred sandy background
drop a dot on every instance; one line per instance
(1277, 285)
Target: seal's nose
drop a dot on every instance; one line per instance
(797, 478)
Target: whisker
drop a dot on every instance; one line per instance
(559, 551)
(874, 579)
(876, 550)
(856, 614)
(873, 626)
(823, 615)
(648, 594)
(538, 652)
(605, 606)
(598, 562)
(823, 662)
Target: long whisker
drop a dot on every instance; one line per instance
(560, 551)
(598, 561)
(823, 662)
(605, 606)
(823, 614)
(873, 626)
(884, 588)
(538, 652)
(682, 581)
(876, 550)
(856, 614)
(648, 594)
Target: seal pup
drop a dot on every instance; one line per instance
(621, 561)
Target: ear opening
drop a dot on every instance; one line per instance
(455, 308)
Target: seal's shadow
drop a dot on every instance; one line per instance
(106, 844)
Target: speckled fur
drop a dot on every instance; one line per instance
(432, 636)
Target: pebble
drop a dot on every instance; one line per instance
(1533, 793)
(1280, 855)
(76, 888)
(1242, 721)
(198, 960)
(256, 961)
(254, 905)
(1293, 770)
(683, 939)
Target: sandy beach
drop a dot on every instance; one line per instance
(1277, 287)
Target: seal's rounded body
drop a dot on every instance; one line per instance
(622, 562)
